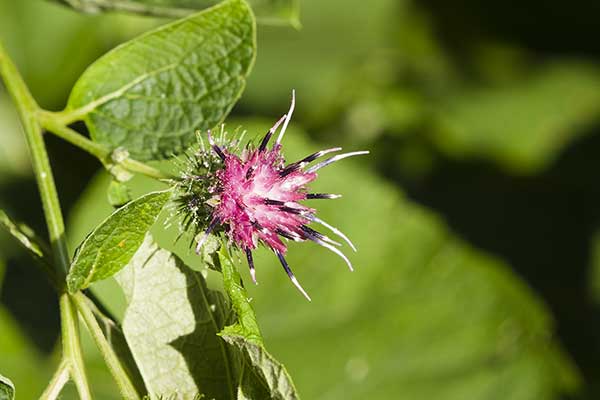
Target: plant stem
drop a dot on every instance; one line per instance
(58, 381)
(28, 110)
(49, 121)
(72, 347)
(73, 137)
(117, 370)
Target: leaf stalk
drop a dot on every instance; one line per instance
(126, 387)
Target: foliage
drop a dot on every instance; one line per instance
(7, 389)
(112, 244)
(268, 11)
(427, 314)
(183, 76)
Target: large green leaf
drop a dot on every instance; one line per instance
(267, 11)
(112, 244)
(172, 324)
(7, 389)
(523, 125)
(424, 315)
(150, 94)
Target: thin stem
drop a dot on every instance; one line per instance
(73, 137)
(28, 110)
(117, 370)
(144, 169)
(58, 381)
(49, 121)
(72, 347)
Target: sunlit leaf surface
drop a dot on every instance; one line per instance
(150, 94)
(172, 323)
(112, 244)
(423, 314)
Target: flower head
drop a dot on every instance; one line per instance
(254, 197)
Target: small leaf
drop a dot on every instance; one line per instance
(26, 237)
(112, 244)
(264, 372)
(268, 12)
(7, 389)
(118, 193)
(150, 94)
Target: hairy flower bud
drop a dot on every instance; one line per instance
(253, 196)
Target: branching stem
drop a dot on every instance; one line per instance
(28, 111)
(49, 122)
(58, 381)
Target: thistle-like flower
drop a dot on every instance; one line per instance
(252, 196)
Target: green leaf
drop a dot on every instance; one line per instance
(172, 324)
(112, 244)
(118, 193)
(149, 95)
(424, 314)
(265, 377)
(267, 11)
(7, 389)
(524, 125)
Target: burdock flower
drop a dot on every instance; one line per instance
(254, 197)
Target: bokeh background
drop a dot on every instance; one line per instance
(476, 215)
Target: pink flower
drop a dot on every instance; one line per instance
(257, 198)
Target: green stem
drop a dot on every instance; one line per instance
(72, 346)
(52, 124)
(58, 381)
(48, 121)
(28, 110)
(144, 169)
(117, 370)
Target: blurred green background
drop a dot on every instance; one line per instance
(476, 214)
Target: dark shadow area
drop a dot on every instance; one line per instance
(553, 26)
(32, 301)
(26, 292)
(202, 349)
(542, 225)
